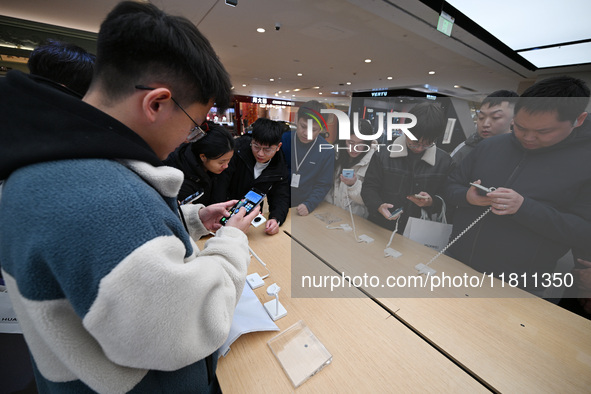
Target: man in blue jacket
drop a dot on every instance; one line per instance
(108, 285)
(541, 207)
(311, 166)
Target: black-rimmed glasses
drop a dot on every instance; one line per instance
(196, 132)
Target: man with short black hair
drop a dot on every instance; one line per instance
(66, 64)
(493, 118)
(542, 174)
(109, 287)
(259, 162)
(311, 167)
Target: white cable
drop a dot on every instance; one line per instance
(393, 232)
(458, 236)
(260, 261)
(351, 213)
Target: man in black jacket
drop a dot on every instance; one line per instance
(409, 174)
(259, 162)
(541, 207)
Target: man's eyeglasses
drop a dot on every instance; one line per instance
(418, 145)
(266, 150)
(196, 132)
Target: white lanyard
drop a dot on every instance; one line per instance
(295, 147)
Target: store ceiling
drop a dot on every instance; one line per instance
(327, 42)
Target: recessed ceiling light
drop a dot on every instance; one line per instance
(280, 92)
(431, 72)
(261, 30)
(348, 83)
(456, 86)
(300, 74)
(316, 87)
(319, 92)
(296, 90)
(243, 85)
(271, 79)
(287, 91)
(389, 77)
(368, 60)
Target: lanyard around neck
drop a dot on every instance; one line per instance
(295, 146)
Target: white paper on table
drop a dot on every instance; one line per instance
(249, 316)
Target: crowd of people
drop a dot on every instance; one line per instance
(118, 169)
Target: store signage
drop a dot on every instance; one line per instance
(263, 100)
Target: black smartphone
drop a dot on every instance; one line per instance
(250, 201)
(396, 212)
(192, 198)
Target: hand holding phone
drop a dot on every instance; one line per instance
(348, 173)
(397, 212)
(485, 189)
(250, 201)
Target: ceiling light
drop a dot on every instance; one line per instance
(296, 90)
(368, 60)
(457, 86)
(431, 72)
(348, 83)
(271, 80)
(261, 30)
(389, 77)
(300, 74)
(316, 87)
(319, 92)
(243, 85)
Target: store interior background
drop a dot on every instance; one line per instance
(319, 49)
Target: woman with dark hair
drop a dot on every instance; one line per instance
(202, 161)
(354, 156)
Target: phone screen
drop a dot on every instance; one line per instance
(249, 202)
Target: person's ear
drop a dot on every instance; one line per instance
(203, 158)
(279, 146)
(153, 103)
(580, 119)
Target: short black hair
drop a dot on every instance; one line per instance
(138, 44)
(430, 121)
(565, 95)
(64, 63)
(217, 142)
(311, 110)
(498, 97)
(267, 131)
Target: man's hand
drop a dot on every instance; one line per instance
(426, 201)
(242, 221)
(302, 210)
(349, 181)
(384, 209)
(474, 198)
(505, 201)
(211, 215)
(272, 227)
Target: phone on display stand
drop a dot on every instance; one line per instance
(250, 201)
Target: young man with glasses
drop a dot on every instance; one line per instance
(108, 285)
(259, 162)
(411, 176)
